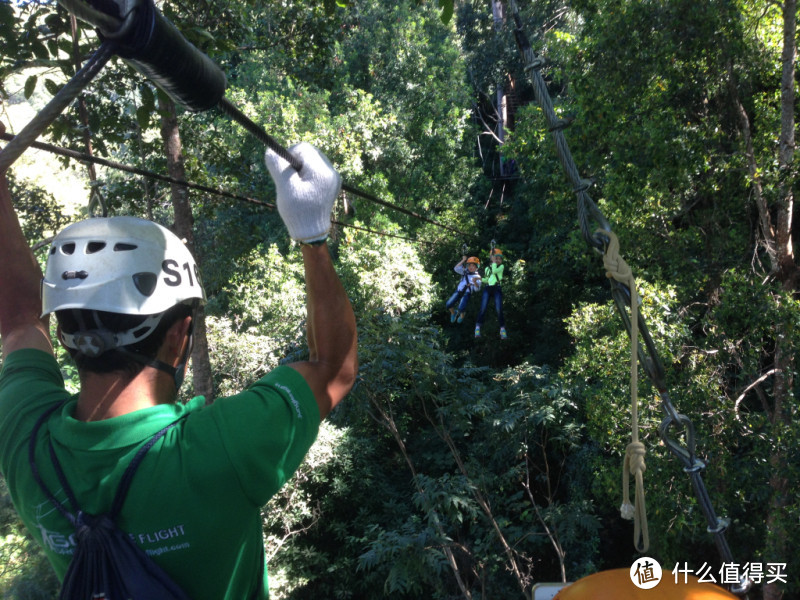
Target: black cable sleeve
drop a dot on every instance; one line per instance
(156, 49)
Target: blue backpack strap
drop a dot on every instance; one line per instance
(127, 476)
(122, 490)
(35, 470)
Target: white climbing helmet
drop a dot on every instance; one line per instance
(121, 265)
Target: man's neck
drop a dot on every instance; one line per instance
(108, 395)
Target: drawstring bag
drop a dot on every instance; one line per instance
(106, 563)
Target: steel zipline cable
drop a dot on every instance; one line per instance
(87, 158)
(154, 47)
(80, 156)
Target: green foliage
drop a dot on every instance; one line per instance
(408, 402)
(38, 212)
(240, 357)
(404, 57)
(414, 565)
(266, 293)
(25, 573)
(298, 508)
(385, 275)
(450, 447)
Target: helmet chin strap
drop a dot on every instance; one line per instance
(96, 341)
(180, 371)
(177, 373)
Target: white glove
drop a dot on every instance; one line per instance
(305, 197)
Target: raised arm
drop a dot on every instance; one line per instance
(21, 324)
(305, 200)
(331, 332)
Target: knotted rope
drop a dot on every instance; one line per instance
(633, 463)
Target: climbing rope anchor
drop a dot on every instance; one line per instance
(682, 425)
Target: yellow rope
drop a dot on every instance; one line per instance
(617, 269)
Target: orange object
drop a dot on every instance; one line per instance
(616, 584)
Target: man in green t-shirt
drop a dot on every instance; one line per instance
(124, 292)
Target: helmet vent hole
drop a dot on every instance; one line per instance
(93, 247)
(141, 332)
(145, 283)
(122, 247)
(68, 248)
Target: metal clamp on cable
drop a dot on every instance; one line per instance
(583, 185)
(741, 588)
(561, 125)
(697, 466)
(686, 455)
(722, 525)
(535, 64)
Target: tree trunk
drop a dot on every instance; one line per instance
(387, 420)
(764, 217)
(777, 239)
(787, 268)
(184, 223)
(201, 365)
(786, 273)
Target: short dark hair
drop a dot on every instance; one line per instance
(114, 361)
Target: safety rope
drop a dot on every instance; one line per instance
(97, 202)
(633, 463)
(259, 133)
(382, 233)
(623, 297)
(586, 206)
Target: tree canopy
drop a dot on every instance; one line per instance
(462, 466)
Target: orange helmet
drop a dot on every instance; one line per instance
(497, 252)
(474, 260)
(617, 583)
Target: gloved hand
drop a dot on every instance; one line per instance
(305, 198)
